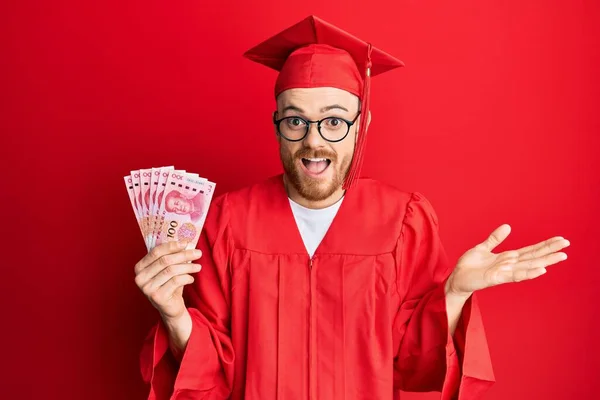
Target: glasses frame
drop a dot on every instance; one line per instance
(308, 123)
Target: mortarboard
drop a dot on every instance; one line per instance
(315, 53)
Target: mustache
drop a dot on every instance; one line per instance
(306, 152)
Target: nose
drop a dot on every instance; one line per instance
(313, 139)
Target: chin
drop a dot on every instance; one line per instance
(314, 188)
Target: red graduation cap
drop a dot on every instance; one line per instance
(314, 53)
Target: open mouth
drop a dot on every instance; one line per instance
(316, 166)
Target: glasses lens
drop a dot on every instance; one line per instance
(334, 129)
(293, 128)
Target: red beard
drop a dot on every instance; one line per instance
(314, 189)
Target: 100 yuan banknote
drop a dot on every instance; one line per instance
(157, 186)
(183, 208)
(129, 185)
(145, 176)
(157, 200)
(137, 189)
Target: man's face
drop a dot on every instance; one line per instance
(178, 205)
(315, 167)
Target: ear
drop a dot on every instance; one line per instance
(358, 126)
(273, 117)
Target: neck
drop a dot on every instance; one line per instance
(295, 196)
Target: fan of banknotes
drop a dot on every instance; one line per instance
(169, 204)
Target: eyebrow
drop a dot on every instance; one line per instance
(322, 110)
(292, 108)
(333, 107)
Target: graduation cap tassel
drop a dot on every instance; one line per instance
(361, 140)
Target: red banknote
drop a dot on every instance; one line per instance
(169, 204)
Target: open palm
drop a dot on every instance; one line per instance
(479, 268)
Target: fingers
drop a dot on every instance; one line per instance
(516, 271)
(497, 237)
(541, 262)
(168, 273)
(157, 252)
(526, 274)
(166, 291)
(543, 248)
(165, 262)
(510, 255)
(527, 249)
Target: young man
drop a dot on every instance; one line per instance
(316, 284)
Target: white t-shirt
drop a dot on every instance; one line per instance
(314, 223)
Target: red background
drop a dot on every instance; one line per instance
(495, 119)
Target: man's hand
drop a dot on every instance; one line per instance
(161, 276)
(479, 268)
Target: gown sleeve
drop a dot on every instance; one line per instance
(428, 358)
(205, 370)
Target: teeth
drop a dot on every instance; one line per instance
(316, 159)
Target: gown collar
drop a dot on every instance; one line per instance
(288, 229)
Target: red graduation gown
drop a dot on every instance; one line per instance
(363, 319)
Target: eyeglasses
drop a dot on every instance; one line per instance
(332, 129)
